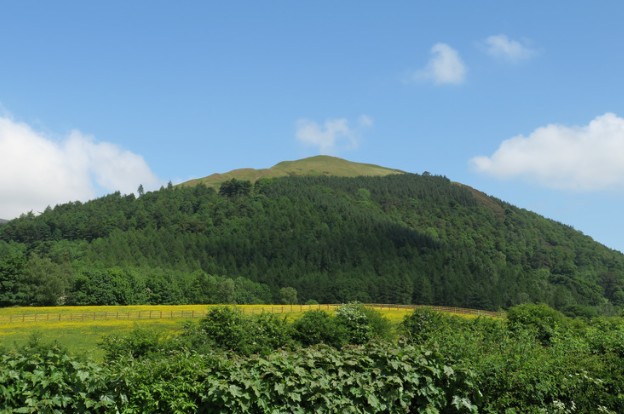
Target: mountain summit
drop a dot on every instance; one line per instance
(320, 165)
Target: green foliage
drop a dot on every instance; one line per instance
(318, 327)
(541, 320)
(288, 295)
(381, 327)
(227, 328)
(401, 238)
(12, 269)
(376, 379)
(354, 322)
(517, 372)
(235, 188)
(423, 324)
(103, 287)
(140, 343)
(360, 324)
(606, 336)
(461, 366)
(44, 378)
(48, 282)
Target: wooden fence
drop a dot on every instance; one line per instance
(191, 314)
(446, 309)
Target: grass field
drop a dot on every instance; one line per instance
(81, 328)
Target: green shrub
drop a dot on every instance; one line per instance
(353, 320)
(380, 325)
(269, 332)
(360, 324)
(422, 324)
(227, 328)
(379, 378)
(316, 327)
(139, 343)
(541, 320)
(44, 378)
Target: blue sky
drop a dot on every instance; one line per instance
(522, 100)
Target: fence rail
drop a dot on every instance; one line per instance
(446, 309)
(101, 316)
(192, 314)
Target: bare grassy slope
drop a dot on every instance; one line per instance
(313, 166)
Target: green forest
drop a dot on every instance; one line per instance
(400, 238)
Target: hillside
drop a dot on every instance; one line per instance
(397, 238)
(314, 166)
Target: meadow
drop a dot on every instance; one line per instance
(81, 328)
(276, 358)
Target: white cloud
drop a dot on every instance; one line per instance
(37, 171)
(502, 47)
(444, 67)
(333, 135)
(582, 158)
(365, 121)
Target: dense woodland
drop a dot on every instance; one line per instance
(403, 238)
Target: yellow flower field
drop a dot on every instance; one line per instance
(80, 328)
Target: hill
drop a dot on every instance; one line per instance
(321, 165)
(396, 238)
(2, 221)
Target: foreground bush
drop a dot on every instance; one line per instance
(360, 324)
(139, 343)
(227, 328)
(541, 320)
(451, 365)
(529, 364)
(318, 327)
(423, 324)
(373, 379)
(46, 379)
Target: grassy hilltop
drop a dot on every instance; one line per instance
(321, 165)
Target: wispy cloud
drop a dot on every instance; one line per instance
(444, 67)
(582, 158)
(502, 47)
(333, 135)
(37, 171)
